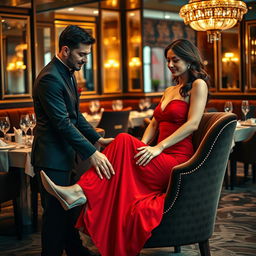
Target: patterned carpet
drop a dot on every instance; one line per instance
(234, 235)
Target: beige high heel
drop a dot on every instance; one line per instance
(52, 189)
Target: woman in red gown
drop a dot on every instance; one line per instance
(121, 211)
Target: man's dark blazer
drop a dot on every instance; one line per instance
(61, 129)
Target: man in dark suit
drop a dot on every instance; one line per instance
(61, 132)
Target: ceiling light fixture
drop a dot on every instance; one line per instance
(213, 16)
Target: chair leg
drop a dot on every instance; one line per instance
(226, 178)
(232, 174)
(204, 248)
(177, 249)
(34, 202)
(18, 219)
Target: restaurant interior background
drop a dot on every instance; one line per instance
(127, 61)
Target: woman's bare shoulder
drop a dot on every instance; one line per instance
(199, 82)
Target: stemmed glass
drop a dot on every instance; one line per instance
(142, 104)
(147, 103)
(32, 122)
(228, 107)
(4, 125)
(25, 125)
(245, 108)
(117, 105)
(94, 107)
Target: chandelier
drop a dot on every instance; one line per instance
(213, 16)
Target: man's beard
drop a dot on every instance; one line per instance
(72, 66)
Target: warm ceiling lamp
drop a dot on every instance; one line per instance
(213, 16)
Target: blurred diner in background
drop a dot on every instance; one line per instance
(119, 89)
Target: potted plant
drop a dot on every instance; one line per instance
(155, 84)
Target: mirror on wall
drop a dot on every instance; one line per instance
(133, 25)
(110, 51)
(159, 30)
(15, 56)
(251, 56)
(86, 77)
(45, 45)
(229, 59)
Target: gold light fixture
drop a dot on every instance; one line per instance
(213, 16)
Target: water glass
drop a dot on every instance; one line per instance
(94, 106)
(142, 104)
(228, 107)
(32, 122)
(25, 125)
(4, 125)
(147, 103)
(245, 108)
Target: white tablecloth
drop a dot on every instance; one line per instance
(20, 158)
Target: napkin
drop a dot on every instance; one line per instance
(3, 144)
(18, 135)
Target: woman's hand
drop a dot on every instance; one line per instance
(147, 153)
(103, 142)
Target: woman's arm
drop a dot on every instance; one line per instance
(150, 131)
(198, 98)
(152, 128)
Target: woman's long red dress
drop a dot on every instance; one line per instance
(121, 212)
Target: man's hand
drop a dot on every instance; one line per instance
(103, 142)
(101, 164)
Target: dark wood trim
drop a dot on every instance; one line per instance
(124, 46)
(33, 40)
(14, 10)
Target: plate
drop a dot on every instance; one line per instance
(7, 147)
(248, 124)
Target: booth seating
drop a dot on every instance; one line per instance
(14, 115)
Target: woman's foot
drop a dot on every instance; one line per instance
(69, 196)
(88, 243)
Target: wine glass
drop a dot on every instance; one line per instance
(228, 107)
(117, 105)
(147, 103)
(25, 125)
(94, 106)
(245, 108)
(32, 122)
(142, 104)
(4, 125)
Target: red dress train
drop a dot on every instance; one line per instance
(121, 212)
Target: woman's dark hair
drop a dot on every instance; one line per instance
(73, 35)
(188, 52)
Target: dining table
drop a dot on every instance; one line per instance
(17, 157)
(244, 130)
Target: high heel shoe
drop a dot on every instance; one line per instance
(50, 187)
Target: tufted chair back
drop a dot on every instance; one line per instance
(194, 188)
